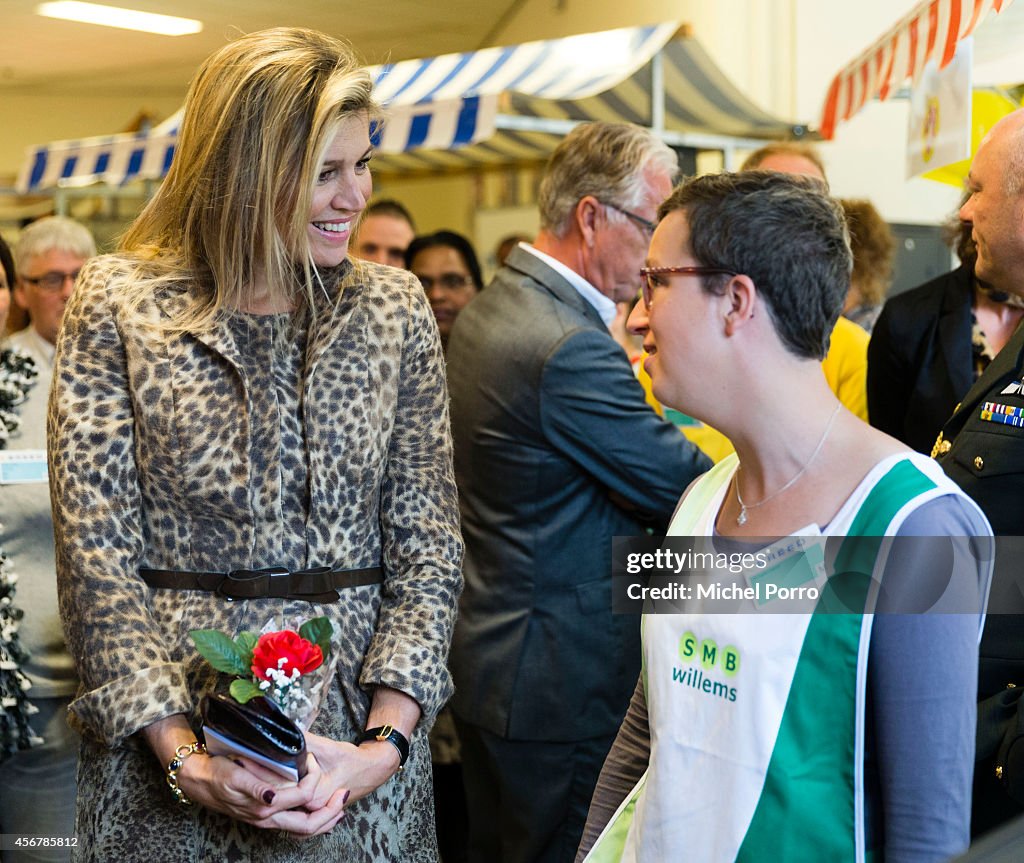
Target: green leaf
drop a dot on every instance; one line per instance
(246, 641)
(319, 631)
(220, 651)
(244, 690)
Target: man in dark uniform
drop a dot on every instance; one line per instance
(981, 447)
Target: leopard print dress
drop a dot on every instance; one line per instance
(266, 441)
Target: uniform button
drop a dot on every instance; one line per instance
(945, 446)
(979, 462)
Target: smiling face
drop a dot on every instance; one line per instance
(342, 189)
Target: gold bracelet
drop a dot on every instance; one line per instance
(174, 765)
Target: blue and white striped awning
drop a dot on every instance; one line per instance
(111, 159)
(493, 106)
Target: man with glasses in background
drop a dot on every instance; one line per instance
(556, 453)
(38, 785)
(48, 256)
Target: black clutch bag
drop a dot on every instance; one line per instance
(258, 730)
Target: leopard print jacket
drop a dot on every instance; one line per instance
(149, 448)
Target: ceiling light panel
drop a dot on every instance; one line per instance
(114, 16)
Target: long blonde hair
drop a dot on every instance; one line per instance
(259, 117)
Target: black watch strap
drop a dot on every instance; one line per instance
(393, 736)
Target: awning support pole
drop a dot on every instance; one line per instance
(657, 94)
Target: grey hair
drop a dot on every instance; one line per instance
(610, 161)
(786, 234)
(53, 233)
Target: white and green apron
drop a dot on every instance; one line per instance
(757, 719)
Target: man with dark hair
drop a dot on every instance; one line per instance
(556, 452)
(384, 233)
(735, 217)
(981, 447)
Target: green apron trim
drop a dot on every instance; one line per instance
(613, 841)
(689, 511)
(799, 780)
(704, 490)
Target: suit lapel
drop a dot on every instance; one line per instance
(553, 283)
(218, 338)
(334, 317)
(955, 330)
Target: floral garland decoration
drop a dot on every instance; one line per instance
(18, 373)
(279, 662)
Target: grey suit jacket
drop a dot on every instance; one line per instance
(556, 452)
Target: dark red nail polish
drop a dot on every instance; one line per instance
(268, 797)
(239, 763)
(344, 799)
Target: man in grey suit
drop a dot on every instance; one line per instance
(556, 452)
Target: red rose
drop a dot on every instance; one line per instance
(292, 647)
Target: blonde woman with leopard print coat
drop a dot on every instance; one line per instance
(233, 392)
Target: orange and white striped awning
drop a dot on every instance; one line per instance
(930, 31)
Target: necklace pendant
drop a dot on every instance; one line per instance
(741, 519)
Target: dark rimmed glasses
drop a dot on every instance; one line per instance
(646, 225)
(52, 281)
(446, 281)
(655, 277)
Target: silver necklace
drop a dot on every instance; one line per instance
(741, 519)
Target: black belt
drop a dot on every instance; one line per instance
(318, 584)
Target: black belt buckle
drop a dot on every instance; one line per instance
(271, 581)
(314, 584)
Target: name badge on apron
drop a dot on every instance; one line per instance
(795, 572)
(22, 466)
